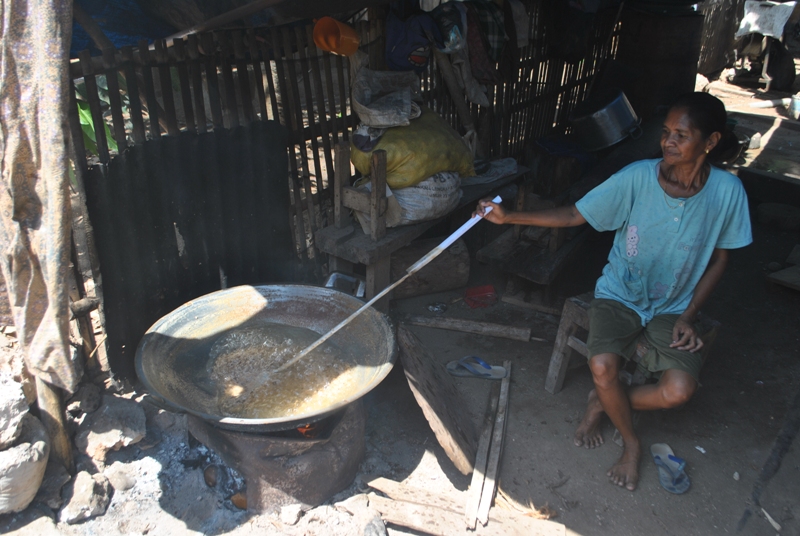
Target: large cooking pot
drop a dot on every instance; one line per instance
(598, 125)
(173, 358)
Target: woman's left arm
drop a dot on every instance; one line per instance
(684, 336)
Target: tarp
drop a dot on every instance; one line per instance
(34, 197)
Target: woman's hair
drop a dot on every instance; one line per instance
(706, 112)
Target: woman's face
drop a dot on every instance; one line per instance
(681, 142)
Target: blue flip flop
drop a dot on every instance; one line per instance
(670, 469)
(474, 367)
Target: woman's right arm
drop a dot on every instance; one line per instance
(567, 216)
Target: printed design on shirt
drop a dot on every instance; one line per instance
(681, 277)
(659, 291)
(692, 244)
(632, 242)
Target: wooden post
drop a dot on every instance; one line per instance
(377, 222)
(51, 413)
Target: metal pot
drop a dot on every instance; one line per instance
(598, 127)
(174, 355)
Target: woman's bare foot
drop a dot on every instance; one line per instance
(588, 433)
(626, 471)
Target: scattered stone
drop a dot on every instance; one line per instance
(755, 141)
(119, 479)
(291, 513)
(55, 476)
(152, 438)
(736, 475)
(13, 407)
(86, 400)
(701, 82)
(13, 363)
(22, 466)
(32, 520)
(785, 217)
(86, 497)
(375, 527)
(239, 500)
(118, 423)
(353, 505)
(210, 475)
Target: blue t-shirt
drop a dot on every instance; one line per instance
(662, 244)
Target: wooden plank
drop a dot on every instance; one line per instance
(403, 492)
(359, 200)
(195, 73)
(578, 345)
(341, 216)
(94, 106)
(313, 124)
(115, 102)
(183, 79)
(273, 98)
(230, 110)
(377, 202)
(149, 89)
(342, 77)
(330, 97)
(258, 76)
(165, 81)
(437, 395)
(134, 96)
(453, 502)
(295, 106)
(290, 122)
(378, 278)
(322, 108)
(242, 76)
(435, 521)
(469, 326)
(212, 79)
(495, 450)
(481, 458)
(788, 277)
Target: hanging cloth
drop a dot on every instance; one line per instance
(34, 197)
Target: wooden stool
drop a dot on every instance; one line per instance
(574, 327)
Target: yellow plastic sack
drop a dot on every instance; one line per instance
(424, 148)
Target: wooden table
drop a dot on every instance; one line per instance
(347, 244)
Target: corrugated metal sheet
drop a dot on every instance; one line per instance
(173, 214)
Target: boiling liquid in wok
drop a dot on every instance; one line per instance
(243, 363)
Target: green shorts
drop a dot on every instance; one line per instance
(614, 328)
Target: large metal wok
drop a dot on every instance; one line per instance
(174, 353)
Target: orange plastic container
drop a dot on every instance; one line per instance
(336, 37)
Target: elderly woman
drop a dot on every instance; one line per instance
(675, 219)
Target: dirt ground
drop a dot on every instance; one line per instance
(726, 430)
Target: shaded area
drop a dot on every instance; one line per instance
(182, 216)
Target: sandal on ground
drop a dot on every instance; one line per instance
(474, 367)
(670, 469)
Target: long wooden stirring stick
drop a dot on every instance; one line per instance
(414, 268)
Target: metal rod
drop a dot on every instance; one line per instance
(414, 268)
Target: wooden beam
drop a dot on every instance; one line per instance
(496, 449)
(470, 326)
(481, 458)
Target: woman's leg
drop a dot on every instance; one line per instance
(674, 389)
(614, 401)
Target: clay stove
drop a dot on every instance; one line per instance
(306, 464)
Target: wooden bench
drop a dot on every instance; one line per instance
(571, 336)
(346, 243)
